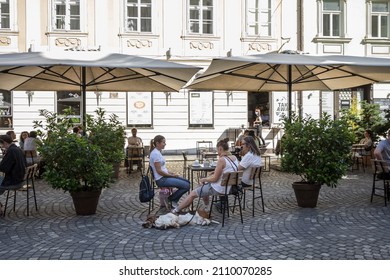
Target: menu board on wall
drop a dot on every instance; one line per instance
(139, 109)
(201, 108)
(327, 102)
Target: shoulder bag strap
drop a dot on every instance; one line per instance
(232, 163)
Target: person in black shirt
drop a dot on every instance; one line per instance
(13, 165)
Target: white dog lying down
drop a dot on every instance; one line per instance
(175, 221)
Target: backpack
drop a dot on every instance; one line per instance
(146, 190)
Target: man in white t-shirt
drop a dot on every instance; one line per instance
(250, 159)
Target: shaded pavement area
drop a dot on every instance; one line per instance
(345, 225)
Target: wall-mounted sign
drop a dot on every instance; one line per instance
(139, 109)
(201, 109)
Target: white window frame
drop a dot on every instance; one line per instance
(4, 14)
(6, 109)
(342, 21)
(201, 21)
(139, 17)
(67, 18)
(380, 15)
(261, 9)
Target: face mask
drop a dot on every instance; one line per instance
(257, 113)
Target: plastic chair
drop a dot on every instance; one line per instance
(232, 179)
(255, 176)
(380, 167)
(28, 180)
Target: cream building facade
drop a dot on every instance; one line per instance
(190, 32)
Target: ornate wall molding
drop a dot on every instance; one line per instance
(201, 45)
(260, 47)
(137, 43)
(68, 42)
(5, 41)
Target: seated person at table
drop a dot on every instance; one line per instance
(241, 136)
(211, 185)
(30, 148)
(367, 142)
(382, 152)
(134, 141)
(251, 158)
(13, 164)
(162, 177)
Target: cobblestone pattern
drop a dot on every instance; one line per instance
(345, 225)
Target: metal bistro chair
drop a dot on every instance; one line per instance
(232, 179)
(203, 146)
(29, 181)
(135, 154)
(185, 160)
(255, 176)
(357, 158)
(150, 174)
(380, 167)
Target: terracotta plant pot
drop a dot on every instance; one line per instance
(85, 202)
(306, 194)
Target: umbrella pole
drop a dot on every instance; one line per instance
(83, 94)
(289, 89)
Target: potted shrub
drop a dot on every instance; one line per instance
(108, 133)
(319, 151)
(72, 163)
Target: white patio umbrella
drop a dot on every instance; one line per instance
(90, 71)
(291, 72)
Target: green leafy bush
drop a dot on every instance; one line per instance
(108, 133)
(72, 163)
(319, 151)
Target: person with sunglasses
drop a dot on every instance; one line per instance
(250, 158)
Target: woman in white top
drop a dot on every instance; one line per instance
(162, 177)
(212, 183)
(30, 148)
(251, 158)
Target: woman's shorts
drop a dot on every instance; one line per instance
(206, 190)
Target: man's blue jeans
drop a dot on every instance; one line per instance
(181, 184)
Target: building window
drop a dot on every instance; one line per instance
(380, 19)
(72, 100)
(66, 15)
(331, 18)
(258, 17)
(5, 14)
(5, 109)
(201, 16)
(201, 109)
(139, 15)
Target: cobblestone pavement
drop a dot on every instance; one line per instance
(345, 225)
